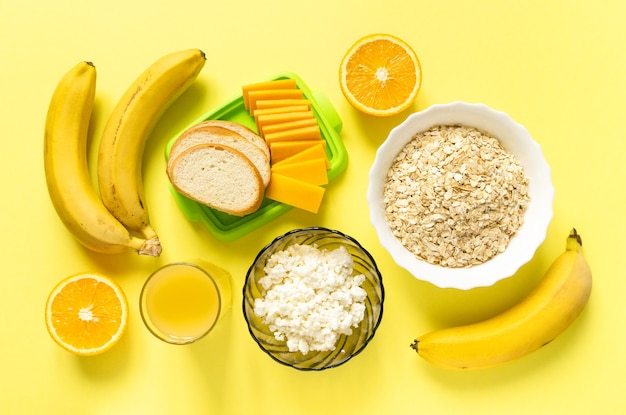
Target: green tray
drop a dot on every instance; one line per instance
(227, 227)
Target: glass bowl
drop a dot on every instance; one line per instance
(515, 139)
(346, 346)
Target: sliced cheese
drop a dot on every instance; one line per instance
(286, 102)
(296, 193)
(315, 151)
(304, 133)
(273, 128)
(267, 119)
(267, 85)
(277, 110)
(311, 171)
(283, 149)
(265, 94)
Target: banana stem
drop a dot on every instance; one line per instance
(574, 241)
(151, 247)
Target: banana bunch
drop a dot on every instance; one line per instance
(116, 220)
(67, 175)
(534, 322)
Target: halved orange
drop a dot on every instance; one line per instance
(86, 314)
(380, 75)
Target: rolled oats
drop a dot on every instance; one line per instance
(454, 196)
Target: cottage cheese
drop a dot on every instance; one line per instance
(311, 297)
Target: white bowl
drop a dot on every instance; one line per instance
(516, 139)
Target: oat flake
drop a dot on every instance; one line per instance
(454, 196)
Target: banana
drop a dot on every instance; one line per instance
(544, 314)
(67, 175)
(126, 132)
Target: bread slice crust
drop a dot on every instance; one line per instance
(241, 129)
(213, 134)
(217, 176)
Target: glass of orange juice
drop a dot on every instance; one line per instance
(181, 302)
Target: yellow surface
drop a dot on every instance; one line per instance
(558, 67)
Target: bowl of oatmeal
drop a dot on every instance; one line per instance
(460, 195)
(313, 298)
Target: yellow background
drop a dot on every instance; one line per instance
(557, 67)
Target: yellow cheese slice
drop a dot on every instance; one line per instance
(273, 128)
(278, 110)
(311, 171)
(296, 193)
(315, 151)
(267, 119)
(303, 133)
(265, 94)
(283, 149)
(275, 103)
(267, 85)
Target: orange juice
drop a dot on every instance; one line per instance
(181, 302)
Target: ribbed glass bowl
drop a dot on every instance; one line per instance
(347, 346)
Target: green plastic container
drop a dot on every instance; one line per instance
(227, 227)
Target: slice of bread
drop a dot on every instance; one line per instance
(241, 129)
(218, 176)
(209, 134)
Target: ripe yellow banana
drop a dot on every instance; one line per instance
(67, 176)
(545, 313)
(126, 132)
